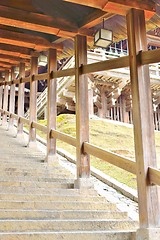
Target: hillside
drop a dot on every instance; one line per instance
(112, 136)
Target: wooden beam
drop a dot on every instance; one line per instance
(24, 40)
(82, 114)
(153, 40)
(95, 18)
(5, 99)
(119, 6)
(12, 100)
(5, 64)
(143, 121)
(21, 99)
(16, 51)
(33, 100)
(10, 59)
(40, 22)
(35, 21)
(51, 105)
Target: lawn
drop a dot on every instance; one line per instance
(108, 135)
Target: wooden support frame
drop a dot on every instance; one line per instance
(125, 114)
(33, 100)
(103, 110)
(82, 112)
(51, 105)
(143, 121)
(5, 99)
(21, 98)
(12, 100)
(1, 100)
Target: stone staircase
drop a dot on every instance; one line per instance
(39, 202)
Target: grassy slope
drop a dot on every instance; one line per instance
(110, 136)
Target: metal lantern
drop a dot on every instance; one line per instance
(42, 60)
(103, 38)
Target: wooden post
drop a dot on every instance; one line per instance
(12, 100)
(90, 101)
(21, 98)
(149, 213)
(33, 101)
(125, 114)
(1, 99)
(102, 111)
(51, 105)
(82, 113)
(5, 99)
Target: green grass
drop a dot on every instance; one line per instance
(116, 138)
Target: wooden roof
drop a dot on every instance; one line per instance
(36, 25)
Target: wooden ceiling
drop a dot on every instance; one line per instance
(35, 25)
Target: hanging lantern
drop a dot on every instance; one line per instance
(103, 37)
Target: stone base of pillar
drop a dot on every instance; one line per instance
(52, 160)
(148, 234)
(83, 183)
(12, 130)
(32, 144)
(21, 138)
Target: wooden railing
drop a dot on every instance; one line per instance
(110, 157)
(117, 160)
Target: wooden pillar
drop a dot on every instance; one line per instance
(21, 98)
(90, 101)
(5, 99)
(125, 114)
(149, 213)
(82, 114)
(33, 101)
(12, 100)
(1, 100)
(51, 105)
(103, 111)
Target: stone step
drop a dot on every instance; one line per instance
(36, 179)
(65, 225)
(64, 214)
(35, 170)
(60, 191)
(50, 197)
(57, 205)
(39, 174)
(78, 235)
(36, 184)
(29, 167)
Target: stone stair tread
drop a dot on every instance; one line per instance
(78, 235)
(66, 225)
(62, 214)
(36, 184)
(52, 191)
(70, 205)
(35, 179)
(44, 197)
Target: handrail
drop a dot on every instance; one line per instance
(63, 137)
(112, 158)
(154, 176)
